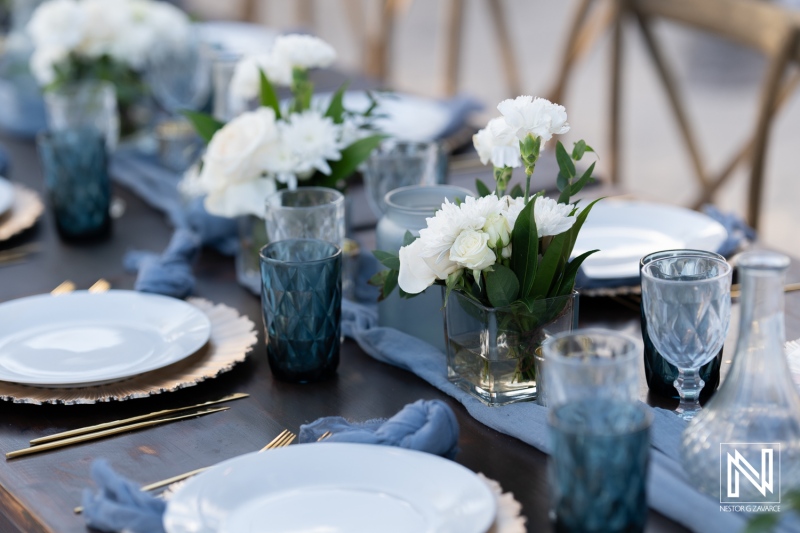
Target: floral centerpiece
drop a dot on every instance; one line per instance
(300, 141)
(111, 40)
(503, 259)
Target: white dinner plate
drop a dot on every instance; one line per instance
(6, 196)
(80, 339)
(333, 488)
(624, 232)
(238, 38)
(402, 116)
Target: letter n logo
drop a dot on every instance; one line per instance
(749, 468)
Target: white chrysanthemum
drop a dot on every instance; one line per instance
(475, 211)
(235, 163)
(314, 140)
(43, 62)
(442, 230)
(58, 24)
(536, 116)
(497, 142)
(552, 218)
(303, 51)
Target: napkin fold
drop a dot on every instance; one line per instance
(427, 426)
(170, 273)
(120, 505)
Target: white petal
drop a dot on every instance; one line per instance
(240, 198)
(415, 275)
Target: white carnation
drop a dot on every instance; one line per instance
(313, 139)
(471, 250)
(536, 116)
(497, 142)
(245, 82)
(303, 51)
(107, 23)
(57, 24)
(551, 217)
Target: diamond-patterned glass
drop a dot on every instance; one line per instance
(301, 297)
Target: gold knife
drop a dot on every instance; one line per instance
(116, 423)
(108, 432)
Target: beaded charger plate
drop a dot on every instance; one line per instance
(231, 339)
(25, 210)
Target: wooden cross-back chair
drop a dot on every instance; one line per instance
(375, 37)
(769, 28)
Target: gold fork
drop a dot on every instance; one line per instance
(283, 439)
(64, 288)
(101, 285)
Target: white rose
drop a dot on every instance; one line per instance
(57, 24)
(43, 62)
(497, 142)
(240, 198)
(417, 272)
(471, 250)
(536, 116)
(552, 218)
(236, 156)
(303, 51)
(498, 230)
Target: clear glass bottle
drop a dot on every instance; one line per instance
(757, 407)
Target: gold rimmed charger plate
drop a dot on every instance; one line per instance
(232, 337)
(23, 214)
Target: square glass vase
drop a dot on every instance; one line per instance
(491, 350)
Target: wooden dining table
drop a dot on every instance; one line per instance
(38, 492)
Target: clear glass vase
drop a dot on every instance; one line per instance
(491, 350)
(751, 426)
(252, 237)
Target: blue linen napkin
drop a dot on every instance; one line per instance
(669, 489)
(170, 273)
(120, 505)
(427, 426)
(739, 233)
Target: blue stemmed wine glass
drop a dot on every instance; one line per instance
(687, 304)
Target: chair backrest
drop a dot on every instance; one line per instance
(767, 27)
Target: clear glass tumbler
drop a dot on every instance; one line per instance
(85, 104)
(301, 299)
(75, 166)
(398, 164)
(586, 364)
(598, 465)
(306, 213)
(687, 305)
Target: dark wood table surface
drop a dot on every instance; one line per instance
(38, 493)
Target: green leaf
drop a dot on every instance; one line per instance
(387, 259)
(267, 95)
(525, 248)
(390, 284)
(571, 272)
(336, 107)
(454, 280)
(517, 191)
(584, 180)
(408, 238)
(549, 266)
(580, 219)
(352, 156)
(205, 125)
(565, 164)
(379, 278)
(502, 286)
(482, 189)
(579, 149)
(562, 182)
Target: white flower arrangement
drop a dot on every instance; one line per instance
(278, 145)
(106, 39)
(502, 249)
